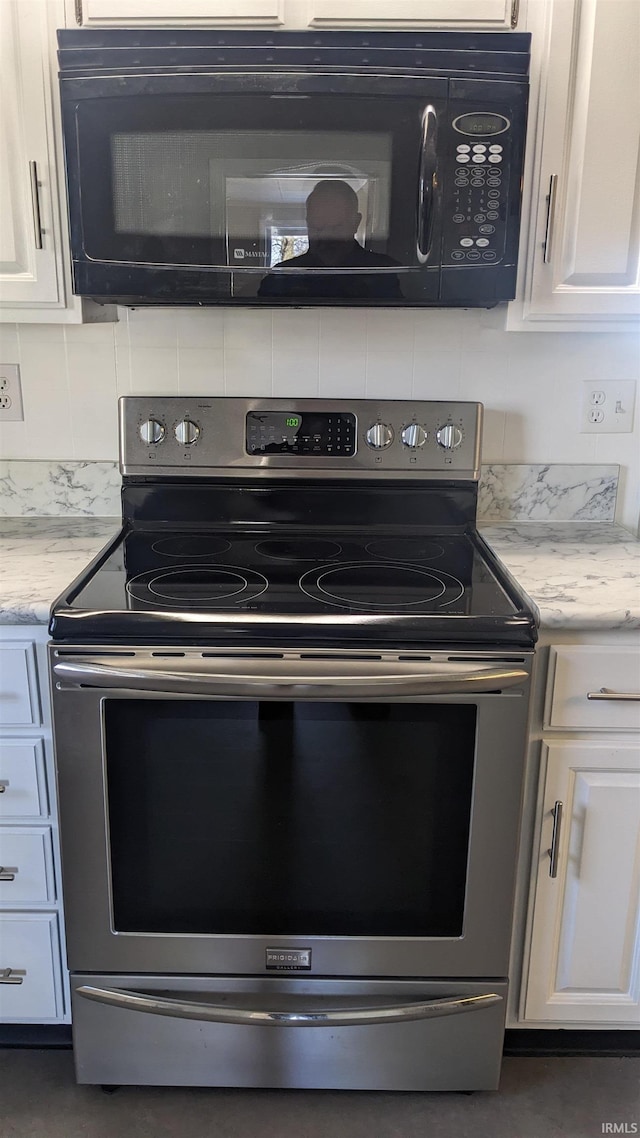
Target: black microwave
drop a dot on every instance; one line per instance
(294, 168)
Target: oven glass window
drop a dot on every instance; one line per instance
(278, 818)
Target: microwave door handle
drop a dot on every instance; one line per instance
(356, 683)
(428, 167)
(332, 1017)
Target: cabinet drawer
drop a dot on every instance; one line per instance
(18, 689)
(576, 671)
(30, 948)
(27, 866)
(23, 787)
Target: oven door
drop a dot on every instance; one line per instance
(282, 812)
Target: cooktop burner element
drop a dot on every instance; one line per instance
(189, 587)
(389, 587)
(226, 544)
(196, 545)
(406, 549)
(299, 549)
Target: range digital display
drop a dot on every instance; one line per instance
(321, 434)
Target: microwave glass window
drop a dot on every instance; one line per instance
(265, 198)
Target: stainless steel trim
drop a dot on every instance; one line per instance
(78, 12)
(4, 783)
(311, 679)
(554, 848)
(350, 1017)
(35, 205)
(426, 182)
(515, 12)
(608, 694)
(8, 872)
(551, 209)
(12, 975)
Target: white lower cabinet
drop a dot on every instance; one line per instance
(584, 949)
(582, 945)
(33, 980)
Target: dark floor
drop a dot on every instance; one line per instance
(538, 1098)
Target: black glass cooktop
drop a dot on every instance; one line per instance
(305, 586)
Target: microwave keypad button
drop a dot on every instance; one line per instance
(479, 147)
(493, 193)
(458, 217)
(462, 181)
(494, 181)
(490, 256)
(479, 217)
(463, 158)
(495, 148)
(457, 255)
(487, 228)
(495, 158)
(477, 181)
(492, 215)
(462, 172)
(482, 242)
(466, 241)
(473, 256)
(463, 148)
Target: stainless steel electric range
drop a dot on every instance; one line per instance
(290, 705)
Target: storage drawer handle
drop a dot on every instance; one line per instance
(554, 848)
(8, 872)
(622, 696)
(332, 1017)
(12, 975)
(4, 783)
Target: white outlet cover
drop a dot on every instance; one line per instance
(10, 394)
(613, 402)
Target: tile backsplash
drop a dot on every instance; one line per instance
(507, 493)
(530, 383)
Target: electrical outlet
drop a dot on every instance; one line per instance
(607, 406)
(10, 394)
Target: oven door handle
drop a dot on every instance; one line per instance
(358, 681)
(332, 1017)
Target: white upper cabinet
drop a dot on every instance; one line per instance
(35, 278)
(29, 272)
(394, 14)
(176, 12)
(580, 257)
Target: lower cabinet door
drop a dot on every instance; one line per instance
(585, 942)
(30, 985)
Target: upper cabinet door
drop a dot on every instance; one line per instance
(178, 12)
(414, 13)
(29, 273)
(585, 220)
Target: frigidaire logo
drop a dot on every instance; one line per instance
(619, 1127)
(240, 254)
(288, 958)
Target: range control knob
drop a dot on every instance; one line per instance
(151, 432)
(379, 436)
(187, 432)
(414, 435)
(449, 437)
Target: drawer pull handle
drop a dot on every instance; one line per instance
(8, 872)
(4, 783)
(554, 849)
(607, 693)
(12, 975)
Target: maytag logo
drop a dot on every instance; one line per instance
(240, 254)
(288, 959)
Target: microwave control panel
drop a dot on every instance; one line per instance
(478, 181)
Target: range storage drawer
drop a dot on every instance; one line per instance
(18, 686)
(29, 967)
(23, 791)
(173, 1050)
(575, 673)
(26, 866)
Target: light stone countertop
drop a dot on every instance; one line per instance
(578, 575)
